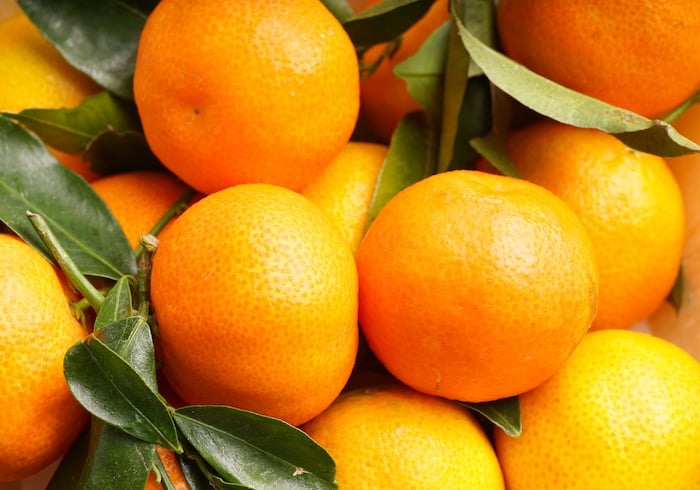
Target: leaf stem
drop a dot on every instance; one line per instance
(178, 206)
(90, 292)
(678, 111)
(148, 245)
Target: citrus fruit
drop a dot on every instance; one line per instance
(255, 296)
(681, 324)
(475, 286)
(138, 199)
(40, 417)
(384, 98)
(172, 467)
(392, 437)
(629, 203)
(345, 188)
(245, 91)
(36, 76)
(622, 413)
(619, 52)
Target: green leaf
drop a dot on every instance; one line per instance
(116, 306)
(32, 179)
(424, 72)
(254, 450)
(565, 105)
(98, 38)
(411, 157)
(505, 413)
(385, 21)
(675, 296)
(474, 121)
(339, 8)
(112, 390)
(113, 152)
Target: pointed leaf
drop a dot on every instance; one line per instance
(109, 388)
(411, 157)
(424, 71)
(105, 51)
(32, 179)
(505, 413)
(385, 21)
(254, 450)
(474, 121)
(116, 306)
(568, 106)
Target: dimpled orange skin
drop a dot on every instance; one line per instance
(40, 417)
(474, 286)
(622, 413)
(392, 437)
(629, 202)
(255, 294)
(246, 91)
(172, 467)
(639, 55)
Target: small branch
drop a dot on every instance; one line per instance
(178, 206)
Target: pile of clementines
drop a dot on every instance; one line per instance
(364, 245)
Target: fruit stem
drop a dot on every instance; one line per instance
(90, 292)
(148, 245)
(676, 113)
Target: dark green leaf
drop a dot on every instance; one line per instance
(424, 72)
(474, 121)
(72, 130)
(194, 475)
(339, 8)
(67, 474)
(131, 338)
(565, 105)
(675, 297)
(254, 450)
(411, 158)
(385, 21)
(505, 413)
(116, 306)
(32, 179)
(98, 38)
(112, 390)
(113, 152)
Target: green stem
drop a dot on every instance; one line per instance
(148, 245)
(178, 206)
(676, 113)
(90, 292)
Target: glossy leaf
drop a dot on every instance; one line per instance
(339, 8)
(112, 390)
(116, 306)
(385, 21)
(565, 105)
(411, 157)
(256, 451)
(505, 413)
(32, 179)
(98, 38)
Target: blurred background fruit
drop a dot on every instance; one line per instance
(284, 76)
(35, 76)
(623, 412)
(475, 286)
(255, 293)
(392, 437)
(615, 51)
(629, 203)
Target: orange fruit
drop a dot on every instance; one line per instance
(40, 417)
(682, 326)
(392, 437)
(255, 295)
(618, 52)
(138, 199)
(36, 76)
(384, 98)
(345, 188)
(622, 413)
(475, 286)
(172, 467)
(254, 92)
(629, 203)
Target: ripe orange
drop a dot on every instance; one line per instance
(629, 203)
(40, 417)
(35, 76)
(682, 326)
(138, 199)
(171, 466)
(392, 437)
(246, 91)
(641, 56)
(623, 413)
(255, 295)
(384, 98)
(345, 188)
(475, 286)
